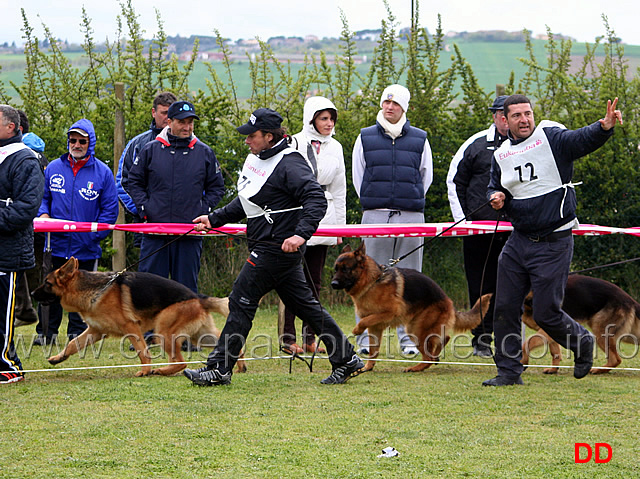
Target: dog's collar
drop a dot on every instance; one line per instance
(384, 269)
(114, 276)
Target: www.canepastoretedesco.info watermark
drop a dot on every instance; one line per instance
(458, 347)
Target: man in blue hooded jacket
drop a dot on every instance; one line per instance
(77, 187)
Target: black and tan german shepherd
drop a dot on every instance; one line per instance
(130, 304)
(385, 297)
(610, 312)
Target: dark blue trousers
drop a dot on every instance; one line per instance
(263, 272)
(543, 267)
(179, 261)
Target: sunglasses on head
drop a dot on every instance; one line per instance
(82, 141)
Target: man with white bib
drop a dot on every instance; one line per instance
(531, 178)
(283, 203)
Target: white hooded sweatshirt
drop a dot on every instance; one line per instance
(330, 164)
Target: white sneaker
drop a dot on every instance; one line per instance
(363, 351)
(409, 351)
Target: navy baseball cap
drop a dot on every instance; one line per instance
(498, 103)
(261, 119)
(181, 110)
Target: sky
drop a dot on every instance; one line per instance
(581, 20)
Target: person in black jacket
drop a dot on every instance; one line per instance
(175, 178)
(21, 189)
(25, 312)
(467, 183)
(283, 204)
(531, 178)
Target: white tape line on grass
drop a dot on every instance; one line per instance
(454, 363)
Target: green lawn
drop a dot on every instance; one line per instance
(271, 424)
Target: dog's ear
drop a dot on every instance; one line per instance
(361, 250)
(67, 269)
(346, 249)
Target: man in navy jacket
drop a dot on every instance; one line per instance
(77, 187)
(174, 179)
(531, 178)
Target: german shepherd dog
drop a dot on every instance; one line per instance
(610, 312)
(385, 297)
(130, 304)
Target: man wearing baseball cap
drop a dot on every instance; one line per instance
(467, 185)
(392, 171)
(283, 203)
(175, 178)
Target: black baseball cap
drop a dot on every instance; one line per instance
(498, 103)
(261, 119)
(181, 110)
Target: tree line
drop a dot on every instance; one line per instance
(446, 101)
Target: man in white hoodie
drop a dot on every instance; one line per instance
(392, 171)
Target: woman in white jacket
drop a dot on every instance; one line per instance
(326, 159)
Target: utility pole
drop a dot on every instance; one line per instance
(119, 258)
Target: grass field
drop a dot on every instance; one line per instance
(105, 423)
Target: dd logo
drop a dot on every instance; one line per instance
(598, 446)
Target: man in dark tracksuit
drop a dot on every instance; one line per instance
(283, 204)
(21, 188)
(175, 178)
(531, 178)
(467, 183)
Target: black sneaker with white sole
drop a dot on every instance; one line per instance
(342, 374)
(208, 376)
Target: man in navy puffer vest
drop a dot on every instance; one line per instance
(392, 171)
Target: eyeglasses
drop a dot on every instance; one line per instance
(82, 141)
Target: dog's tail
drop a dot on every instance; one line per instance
(215, 305)
(466, 320)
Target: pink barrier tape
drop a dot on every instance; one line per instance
(345, 231)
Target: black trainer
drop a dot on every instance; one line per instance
(207, 376)
(342, 374)
(482, 351)
(503, 381)
(584, 357)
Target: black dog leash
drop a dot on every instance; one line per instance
(605, 265)
(115, 276)
(393, 262)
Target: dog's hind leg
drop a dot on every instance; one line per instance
(541, 339)
(134, 333)
(607, 342)
(430, 346)
(88, 336)
(172, 345)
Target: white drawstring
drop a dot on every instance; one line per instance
(566, 188)
(267, 212)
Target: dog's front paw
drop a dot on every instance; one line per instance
(358, 329)
(58, 358)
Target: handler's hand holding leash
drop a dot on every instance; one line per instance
(497, 200)
(202, 223)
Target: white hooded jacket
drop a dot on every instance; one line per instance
(330, 164)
